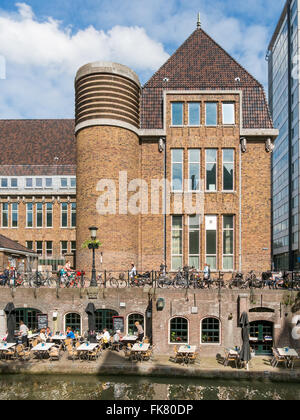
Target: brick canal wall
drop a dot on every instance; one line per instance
(226, 307)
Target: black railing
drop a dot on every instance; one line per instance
(182, 279)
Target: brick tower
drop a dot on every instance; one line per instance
(107, 123)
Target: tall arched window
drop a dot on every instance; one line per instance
(132, 319)
(73, 320)
(104, 319)
(210, 331)
(28, 316)
(179, 330)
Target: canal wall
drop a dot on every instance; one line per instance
(159, 307)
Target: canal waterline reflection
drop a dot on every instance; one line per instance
(37, 387)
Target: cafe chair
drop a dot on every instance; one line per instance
(22, 353)
(10, 354)
(178, 357)
(277, 359)
(72, 353)
(54, 353)
(192, 357)
(127, 351)
(231, 358)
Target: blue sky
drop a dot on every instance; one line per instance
(44, 42)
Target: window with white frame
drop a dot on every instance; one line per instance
(177, 113)
(29, 215)
(4, 182)
(73, 214)
(194, 241)
(64, 247)
(194, 113)
(64, 214)
(39, 182)
(211, 169)
(48, 182)
(49, 215)
(228, 242)
(210, 331)
(228, 169)
(14, 215)
(29, 245)
(211, 114)
(73, 182)
(179, 330)
(194, 170)
(211, 241)
(49, 248)
(177, 169)
(73, 247)
(4, 215)
(29, 183)
(64, 182)
(228, 113)
(177, 240)
(14, 182)
(39, 215)
(39, 247)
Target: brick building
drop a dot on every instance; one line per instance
(201, 122)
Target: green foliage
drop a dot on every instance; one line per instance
(97, 243)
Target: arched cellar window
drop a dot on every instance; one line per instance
(104, 319)
(132, 319)
(179, 330)
(28, 316)
(73, 320)
(210, 331)
(261, 310)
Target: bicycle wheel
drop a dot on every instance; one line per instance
(122, 284)
(178, 283)
(114, 282)
(161, 283)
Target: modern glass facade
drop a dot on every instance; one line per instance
(284, 106)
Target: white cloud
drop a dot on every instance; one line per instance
(43, 57)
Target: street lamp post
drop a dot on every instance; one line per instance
(93, 246)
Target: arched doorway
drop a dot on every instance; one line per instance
(261, 337)
(28, 316)
(104, 319)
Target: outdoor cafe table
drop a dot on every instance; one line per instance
(185, 351)
(31, 336)
(6, 346)
(42, 349)
(58, 337)
(138, 351)
(288, 355)
(130, 338)
(85, 348)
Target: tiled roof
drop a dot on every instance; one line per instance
(201, 64)
(37, 142)
(13, 245)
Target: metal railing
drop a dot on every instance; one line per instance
(186, 278)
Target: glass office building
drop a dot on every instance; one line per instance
(283, 56)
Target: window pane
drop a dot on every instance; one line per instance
(39, 182)
(177, 155)
(194, 155)
(227, 263)
(211, 114)
(211, 176)
(177, 222)
(194, 262)
(194, 222)
(228, 176)
(228, 155)
(14, 182)
(211, 244)
(177, 242)
(194, 243)
(176, 263)
(48, 182)
(228, 114)
(4, 183)
(228, 222)
(177, 113)
(194, 175)
(28, 182)
(212, 262)
(194, 114)
(228, 242)
(177, 177)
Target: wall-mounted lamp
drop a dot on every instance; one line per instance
(160, 304)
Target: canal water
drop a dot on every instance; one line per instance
(21, 387)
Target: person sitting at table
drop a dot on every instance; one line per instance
(43, 336)
(70, 334)
(23, 332)
(140, 330)
(105, 337)
(117, 340)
